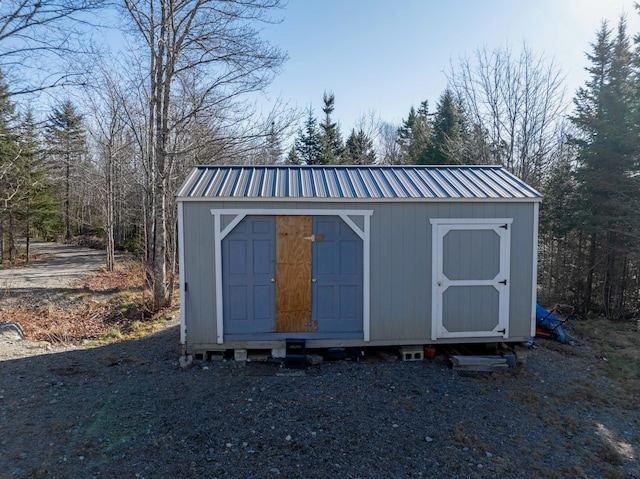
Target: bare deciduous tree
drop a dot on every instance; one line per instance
(388, 146)
(518, 101)
(213, 47)
(33, 30)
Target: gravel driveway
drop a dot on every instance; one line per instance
(60, 266)
(127, 410)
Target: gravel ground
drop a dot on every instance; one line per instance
(127, 410)
(57, 266)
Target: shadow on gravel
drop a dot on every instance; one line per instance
(70, 411)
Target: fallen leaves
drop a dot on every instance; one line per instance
(55, 325)
(125, 277)
(87, 319)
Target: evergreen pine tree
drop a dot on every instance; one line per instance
(359, 149)
(330, 138)
(307, 143)
(37, 208)
(606, 160)
(66, 139)
(292, 157)
(414, 136)
(446, 143)
(11, 181)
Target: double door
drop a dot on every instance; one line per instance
(292, 274)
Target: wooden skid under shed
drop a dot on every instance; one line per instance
(478, 363)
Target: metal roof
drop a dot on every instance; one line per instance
(355, 182)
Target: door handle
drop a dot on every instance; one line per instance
(314, 280)
(273, 280)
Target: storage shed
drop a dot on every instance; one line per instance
(353, 256)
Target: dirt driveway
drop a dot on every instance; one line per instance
(57, 266)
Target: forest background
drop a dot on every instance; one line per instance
(124, 129)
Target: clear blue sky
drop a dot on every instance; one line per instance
(387, 55)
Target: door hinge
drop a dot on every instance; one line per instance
(502, 331)
(185, 286)
(505, 226)
(504, 281)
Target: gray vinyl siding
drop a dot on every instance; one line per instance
(400, 271)
(400, 267)
(522, 248)
(200, 297)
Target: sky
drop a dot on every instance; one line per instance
(383, 56)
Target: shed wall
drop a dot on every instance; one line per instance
(400, 263)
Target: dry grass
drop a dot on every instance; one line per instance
(617, 350)
(55, 325)
(127, 276)
(123, 311)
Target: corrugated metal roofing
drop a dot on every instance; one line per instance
(355, 182)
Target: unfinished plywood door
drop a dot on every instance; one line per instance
(293, 274)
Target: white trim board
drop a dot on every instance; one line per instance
(342, 201)
(534, 279)
(183, 295)
(364, 233)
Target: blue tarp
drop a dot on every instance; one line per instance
(546, 320)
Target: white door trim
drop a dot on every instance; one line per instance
(439, 228)
(364, 233)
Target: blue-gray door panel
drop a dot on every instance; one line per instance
(248, 268)
(337, 276)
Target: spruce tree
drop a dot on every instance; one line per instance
(66, 140)
(37, 208)
(11, 181)
(307, 143)
(359, 149)
(606, 162)
(330, 137)
(446, 142)
(414, 136)
(292, 157)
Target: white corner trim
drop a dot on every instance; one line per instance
(181, 272)
(217, 247)
(534, 279)
(366, 279)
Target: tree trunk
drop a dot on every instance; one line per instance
(67, 200)
(1, 242)
(161, 117)
(591, 266)
(12, 238)
(110, 244)
(27, 235)
(159, 256)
